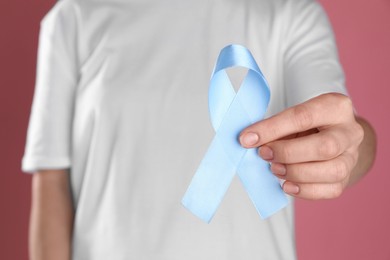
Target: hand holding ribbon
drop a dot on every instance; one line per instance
(230, 113)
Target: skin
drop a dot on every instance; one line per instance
(319, 147)
(51, 218)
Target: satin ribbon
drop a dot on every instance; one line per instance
(230, 113)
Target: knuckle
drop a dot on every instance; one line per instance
(354, 157)
(329, 147)
(359, 132)
(341, 103)
(345, 107)
(303, 117)
(344, 101)
(336, 190)
(340, 171)
(347, 104)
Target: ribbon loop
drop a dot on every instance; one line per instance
(230, 113)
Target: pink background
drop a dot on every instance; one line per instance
(355, 226)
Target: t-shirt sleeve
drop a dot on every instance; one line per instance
(48, 144)
(312, 65)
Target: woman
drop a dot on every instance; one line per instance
(119, 125)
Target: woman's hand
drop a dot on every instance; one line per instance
(314, 146)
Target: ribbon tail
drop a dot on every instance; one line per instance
(210, 182)
(261, 185)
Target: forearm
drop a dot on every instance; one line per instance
(51, 217)
(367, 151)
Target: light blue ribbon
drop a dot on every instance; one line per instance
(230, 113)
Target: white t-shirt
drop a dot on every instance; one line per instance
(121, 100)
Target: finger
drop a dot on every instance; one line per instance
(314, 191)
(325, 145)
(332, 171)
(301, 134)
(324, 110)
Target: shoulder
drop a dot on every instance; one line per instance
(62, 17)
(62, 8)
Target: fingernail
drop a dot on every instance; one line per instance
(249, 139)
(266, 153)
(278, 169)
(290, 188)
